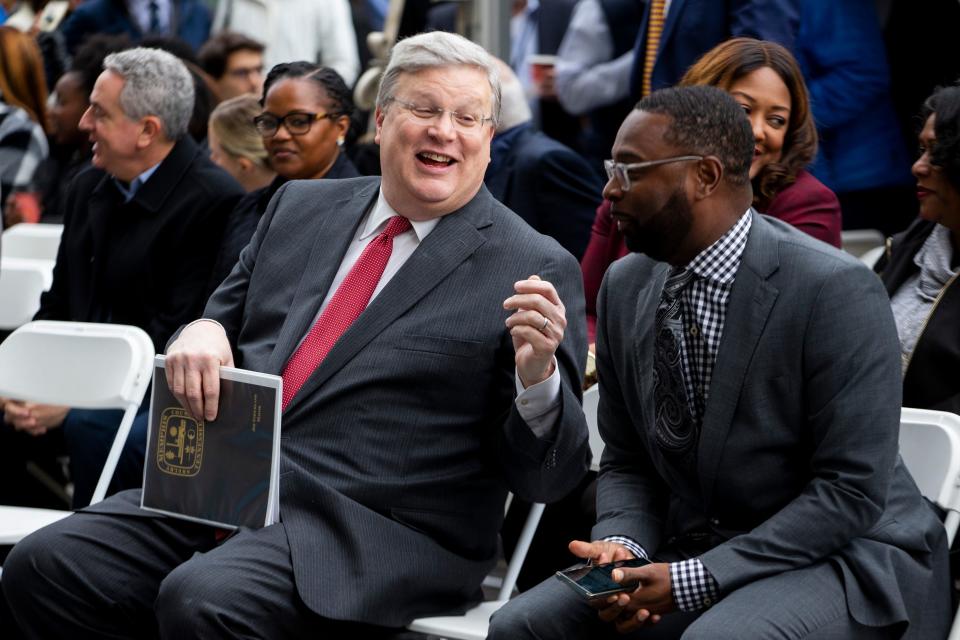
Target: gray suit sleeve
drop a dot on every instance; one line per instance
(631, 497)
(227, 301)
(852, 391)
(545, 469)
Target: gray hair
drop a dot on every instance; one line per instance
(437, 49)
(156, 83)
(514, 109)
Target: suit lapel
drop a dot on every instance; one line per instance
(455, 238)
(644, 334)
(337, 230)
(676, 7)
(751, 301)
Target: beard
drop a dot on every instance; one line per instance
(662, 234)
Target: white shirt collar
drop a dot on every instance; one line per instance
(382, 211)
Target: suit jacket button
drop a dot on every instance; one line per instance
(715, 522)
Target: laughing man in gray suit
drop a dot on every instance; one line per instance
(460, 380)
(749, 405)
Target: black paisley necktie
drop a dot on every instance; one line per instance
(676, 428)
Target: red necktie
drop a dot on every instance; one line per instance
(350, 299)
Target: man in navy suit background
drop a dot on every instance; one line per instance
(543, 181)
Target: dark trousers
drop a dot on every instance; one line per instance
(95, 575)
(89, 436)
(802, 604)
(17, 449)
(85, 437)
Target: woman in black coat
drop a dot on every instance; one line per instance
(921, 266)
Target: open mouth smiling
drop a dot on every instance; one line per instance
(432, 159)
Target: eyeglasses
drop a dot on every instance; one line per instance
(297, 123)
(465, 122)
(621, 171)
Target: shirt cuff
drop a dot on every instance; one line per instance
(203, 320)
(539, 404)
(692, 585)
(631, 545)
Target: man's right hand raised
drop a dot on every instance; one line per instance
(193, 367)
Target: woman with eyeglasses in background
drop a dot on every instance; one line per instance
(304, 125)
(921, 265)
(766, 80)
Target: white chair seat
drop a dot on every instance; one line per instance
(18, 522)
(470, 626)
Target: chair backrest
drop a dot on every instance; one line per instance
(858, 241)
(22, 281)
(870, 257)
(83, 365)
(930, 448)
(520, 551)
(591, 402)
(37, 241)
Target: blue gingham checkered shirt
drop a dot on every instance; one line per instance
(704, 302)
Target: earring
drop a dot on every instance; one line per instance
(340, 141)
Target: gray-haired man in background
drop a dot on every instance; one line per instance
(140, 235)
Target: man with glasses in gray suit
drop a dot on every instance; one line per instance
(749, 407)
(428, 365)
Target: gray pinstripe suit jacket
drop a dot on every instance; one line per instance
(398, 452)
(797, 459)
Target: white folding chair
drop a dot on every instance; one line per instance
(83, 365)
(473, 624)
(22, 280)
(870, 257)
(930, 449)
(37, 241)
(591, 402)
(857, 242)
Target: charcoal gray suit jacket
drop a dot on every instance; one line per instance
(797, 458)
(399, 450)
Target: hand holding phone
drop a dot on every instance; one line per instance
(594, 581)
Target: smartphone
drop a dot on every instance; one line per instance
(593, 580)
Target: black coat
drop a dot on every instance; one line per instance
(243, 220)
(146, 262)
(932, 378)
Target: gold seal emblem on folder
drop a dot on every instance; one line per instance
(179, 443)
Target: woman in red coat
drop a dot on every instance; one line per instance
(766, 80)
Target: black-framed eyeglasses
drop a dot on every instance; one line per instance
(621, 171)
(297, 123)
(466, 122)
